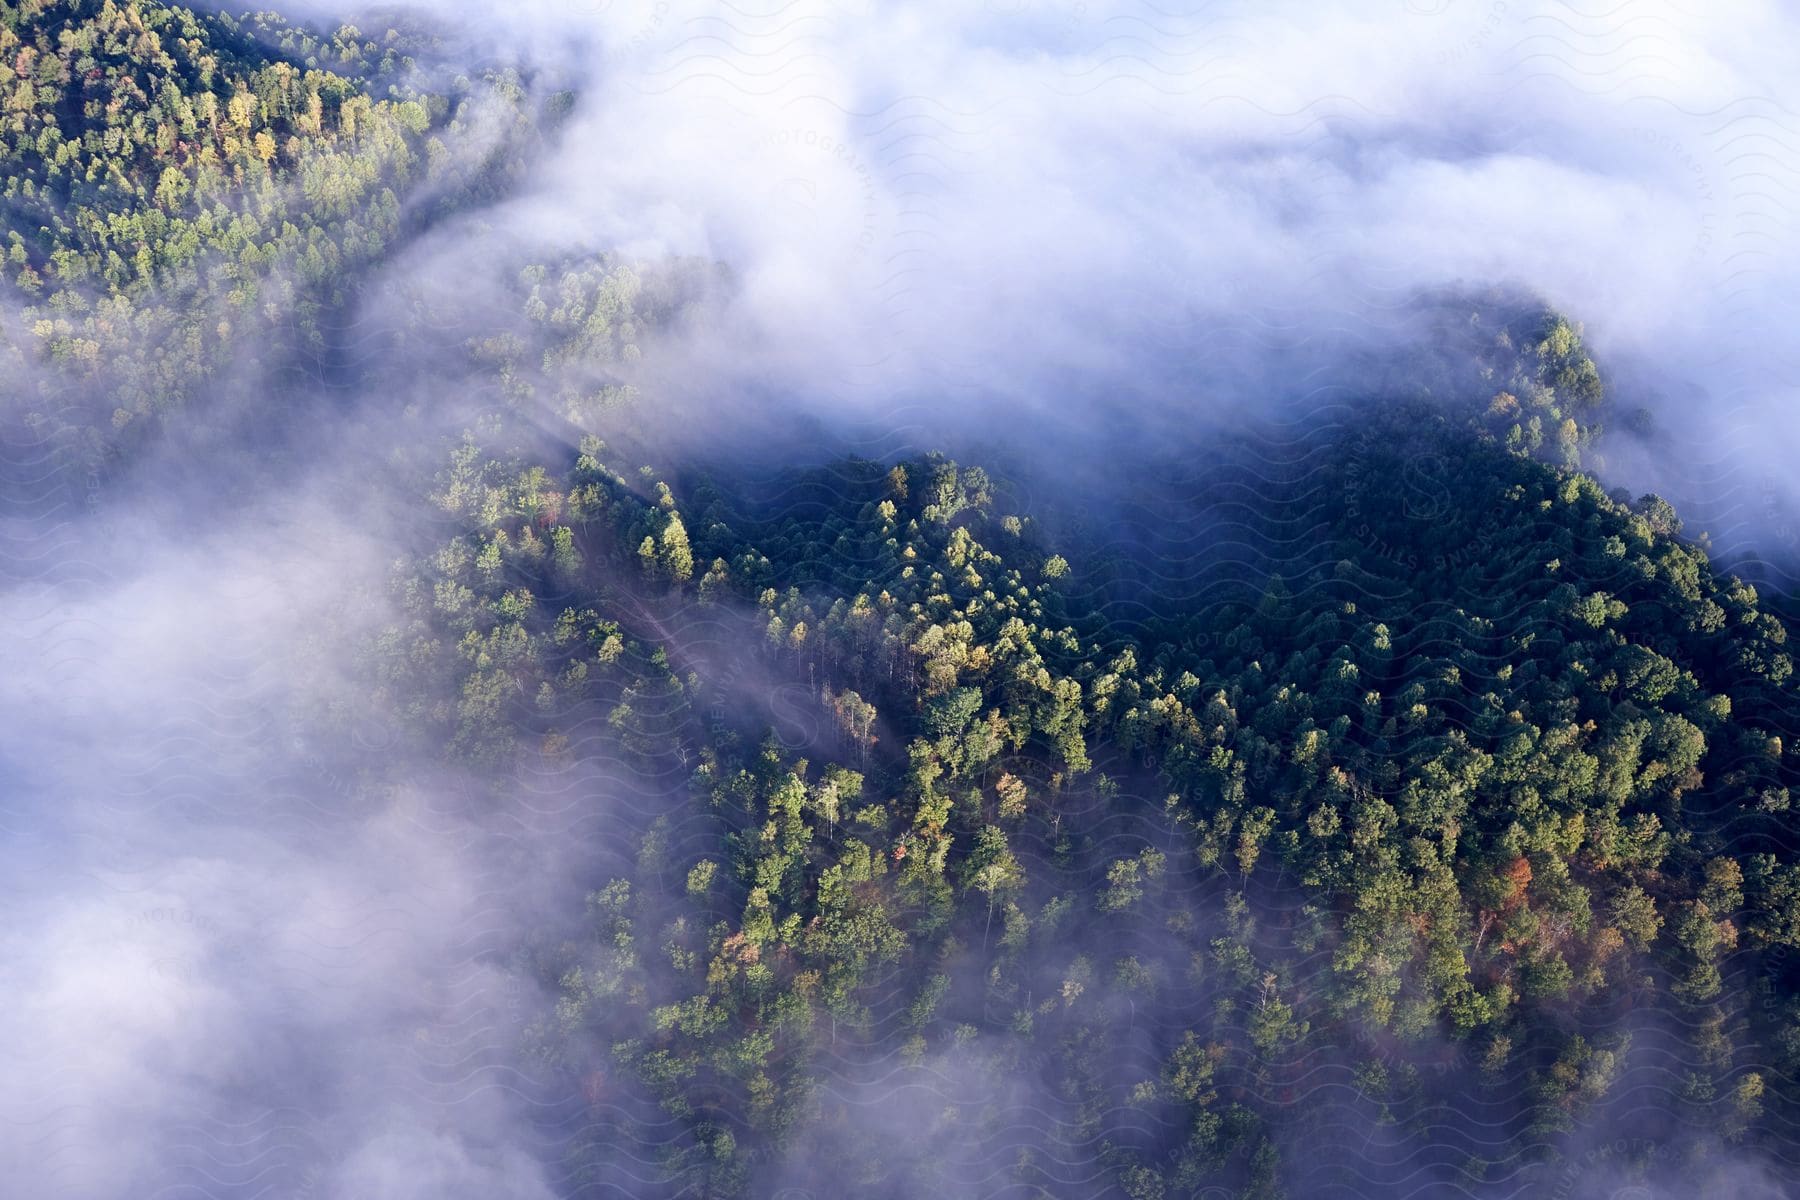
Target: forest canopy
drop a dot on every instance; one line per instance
(1389, 781)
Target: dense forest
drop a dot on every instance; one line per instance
(1387, 805)
(1475, 784)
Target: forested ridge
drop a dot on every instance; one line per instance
(1390, 782)
(1477, 780)
(185, 192)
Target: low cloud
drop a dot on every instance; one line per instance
(1023, 209)
(238, 960)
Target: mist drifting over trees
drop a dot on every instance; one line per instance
(1010, 600)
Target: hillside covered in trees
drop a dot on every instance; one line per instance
(1381, 805)
(1474, 812)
